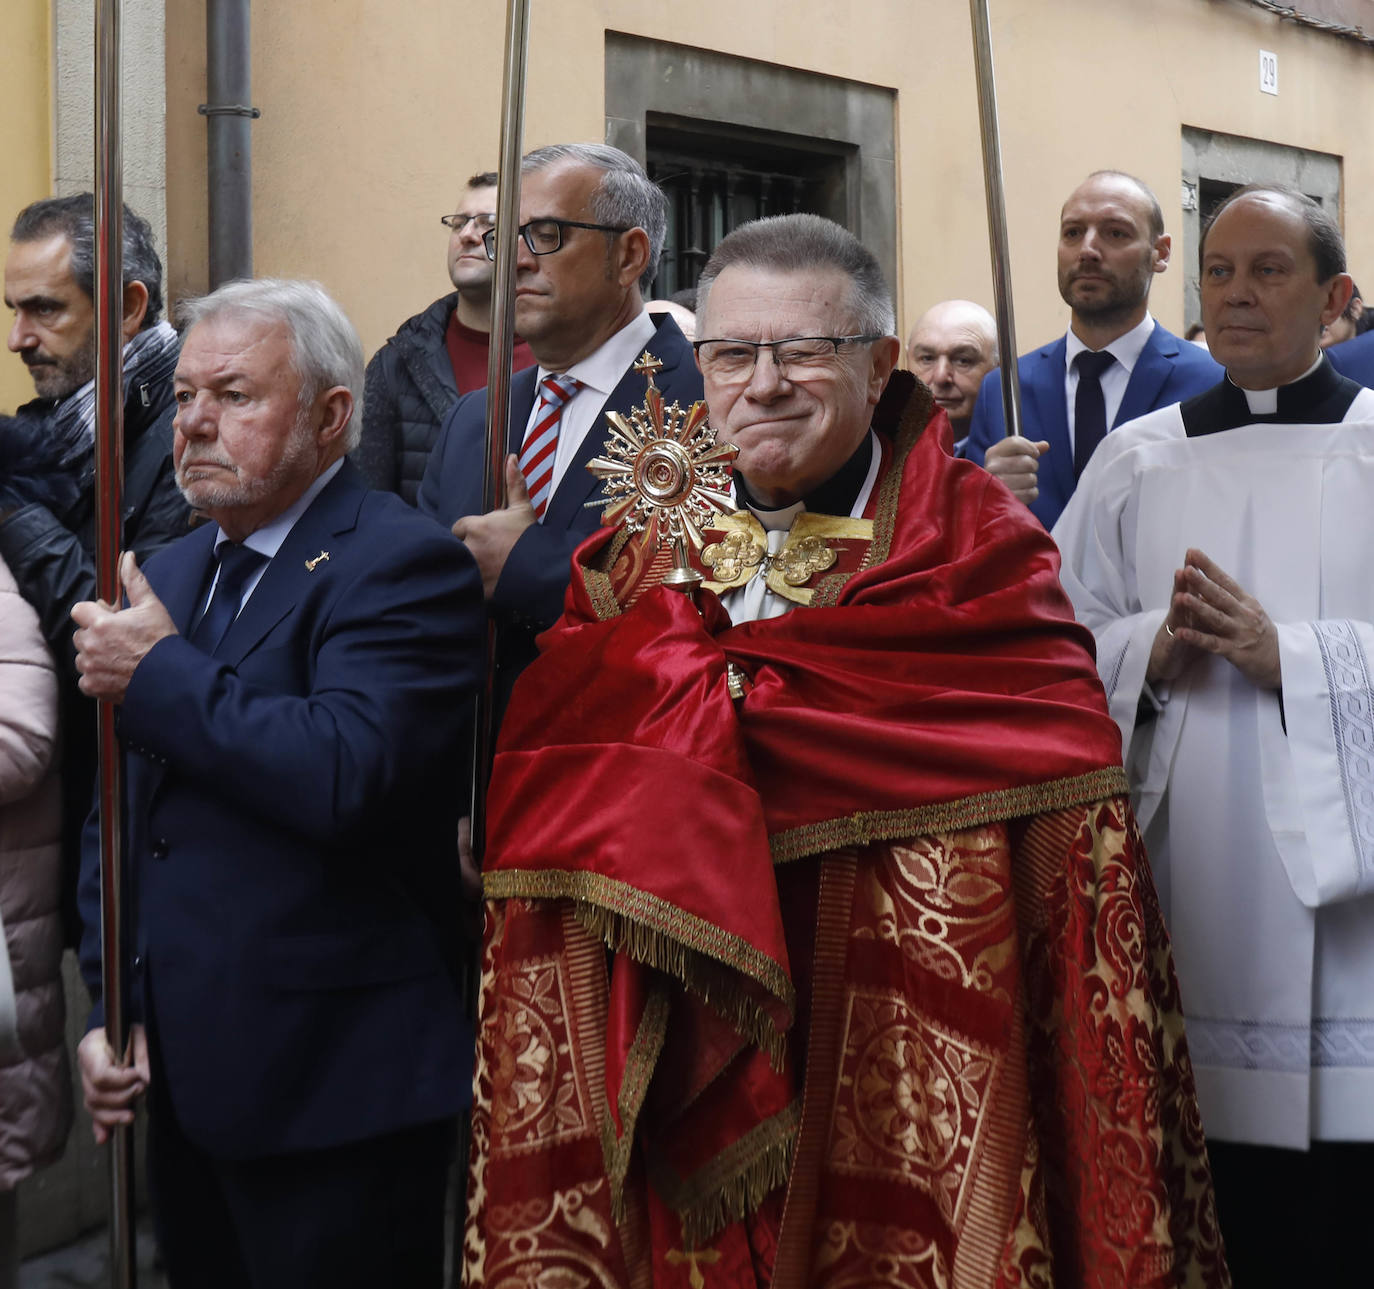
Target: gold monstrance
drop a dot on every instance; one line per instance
(665, 474)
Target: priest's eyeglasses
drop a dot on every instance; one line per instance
(481, 220)
(544, 236)
(796, 358)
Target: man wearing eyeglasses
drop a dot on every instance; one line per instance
(591, 231)
(435, 357)
(887, 985)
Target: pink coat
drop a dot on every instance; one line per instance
(35, 1083)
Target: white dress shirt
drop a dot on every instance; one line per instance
(268, 539)
(600, 372)
(1126, 350)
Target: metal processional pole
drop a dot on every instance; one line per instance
(109, 479)
(499, 354)
(498, 367)
(997, 215)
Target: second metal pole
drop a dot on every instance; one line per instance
(109, 480)
(499, 355)
(997, 214)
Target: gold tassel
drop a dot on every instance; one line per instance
(693, 970)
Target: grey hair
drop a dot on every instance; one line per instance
(796, 243)
(626, 196)
(325, 349)
(74, 218)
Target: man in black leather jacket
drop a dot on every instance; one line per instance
(47, 494)
(435, 357)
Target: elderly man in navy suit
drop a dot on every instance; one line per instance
(1115, 362)
(591, 231)
(291, 680)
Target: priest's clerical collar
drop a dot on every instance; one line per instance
(1265, 402)
(836, 496)
(1321, 396)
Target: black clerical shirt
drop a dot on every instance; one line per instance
(836, 496)
(1322, 397)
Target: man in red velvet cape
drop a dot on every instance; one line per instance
(821, 946)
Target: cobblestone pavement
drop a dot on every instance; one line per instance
(84, 1264)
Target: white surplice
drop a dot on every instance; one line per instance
(1258, 813)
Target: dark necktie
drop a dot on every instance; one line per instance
(1089, 407)
(236, 565)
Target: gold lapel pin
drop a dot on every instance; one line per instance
(310, 563)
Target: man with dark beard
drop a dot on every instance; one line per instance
(47, 493)
(1115, 363)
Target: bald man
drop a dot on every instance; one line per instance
(951, 348)
(1114, 363)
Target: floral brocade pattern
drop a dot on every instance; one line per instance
(1015, 1105)
(917, 1097)
(943, 902)
(533, 1108)
(537, 1099)
(1010, 1103)
(1115, 1110)
(915, 1085)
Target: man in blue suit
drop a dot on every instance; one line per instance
(592, 228)
(1355, 358)
(291, 680)
(1115, 362)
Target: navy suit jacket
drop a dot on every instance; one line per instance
(290, 816)
(529, 594)
(1168, 371)
(1355, 358)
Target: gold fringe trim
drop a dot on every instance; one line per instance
(693, 951)
(634, 1088)
(735, 1182)
(601, 593)
(675, 924)
(870, 826)
(613, 549)
(692, 970)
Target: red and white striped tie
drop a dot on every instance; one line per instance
(541, 443)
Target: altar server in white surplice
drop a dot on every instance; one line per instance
(1222, 551)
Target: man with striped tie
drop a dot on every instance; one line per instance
(591, 232)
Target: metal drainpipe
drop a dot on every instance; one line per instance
(230, 160)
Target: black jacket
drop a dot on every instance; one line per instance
(52, 558)
(408, 391)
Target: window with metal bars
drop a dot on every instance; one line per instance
(715, 182)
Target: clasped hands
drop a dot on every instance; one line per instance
(1210, 612)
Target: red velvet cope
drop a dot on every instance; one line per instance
(951, 668)
(628, 780)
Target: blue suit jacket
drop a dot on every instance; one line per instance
(529, 594)
(290, 833)
(1355, 358)
(1168, 371)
